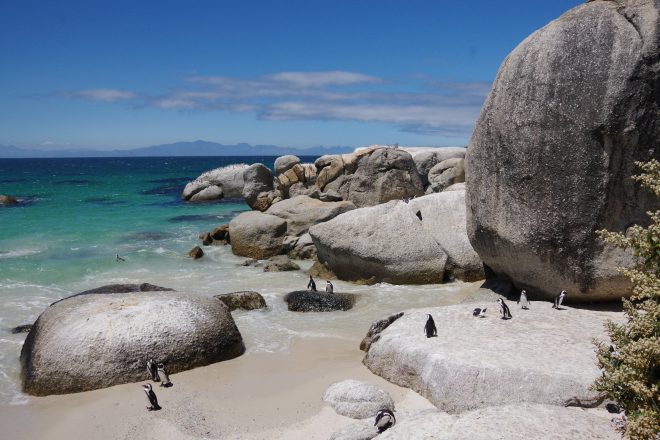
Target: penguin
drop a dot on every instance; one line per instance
(329, 288)
(311, 285)
(558, 300)
(504, 309)
(164, 378)
(118, 258)
(151, 397)
(523, 301)
(419, 215)
(479, 313)
(384, 419)
(152, 368)
(429, 327)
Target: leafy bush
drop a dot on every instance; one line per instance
(631, 364)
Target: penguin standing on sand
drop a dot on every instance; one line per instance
(329, 288)
(504, 309)
(311, 285)
(558, 300)
(479, 313)
(152, 368)
(523, 301)
(164, 378)
(151, 397)
(429, 327)
(384, 419)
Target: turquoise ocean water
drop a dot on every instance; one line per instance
(75, 215)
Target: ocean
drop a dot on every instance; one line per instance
(75, 215)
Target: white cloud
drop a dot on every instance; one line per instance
(417, 105)
(103, 95)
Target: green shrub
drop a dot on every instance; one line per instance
(631, 364)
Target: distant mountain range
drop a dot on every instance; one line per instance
(196, 148)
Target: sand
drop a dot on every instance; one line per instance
(255, 396)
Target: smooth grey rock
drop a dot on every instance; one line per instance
(257, 235)
(385, 174)
(94, 341)
(309, 301)
(301, 212)
(444, 219)
(456, 187)
(550, 159)
(212, 192)
(285, 163)
(228, 178)
(427, 158)
(357, 399)
(446, 173)
(280, 263)
(390, 243)
(541, 355)
(250, 262)
(516, 422)
(125, 288)
(258, 179)
(304, 248)
(330, 196)
(246, 300)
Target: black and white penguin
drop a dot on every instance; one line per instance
(329, 287)
(384, 419)
(152, 368)
(151, 397)
(164, 378)
(479, 313)
(311, 285)
(429, 327)
(558, 300)
(523, 301)
(504, 309)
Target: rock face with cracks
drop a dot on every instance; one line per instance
(542, 355)
(301, 212)
(95, 341)
(549, 163)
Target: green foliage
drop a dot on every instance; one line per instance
(631, 364)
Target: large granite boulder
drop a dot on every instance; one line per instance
(385, 174)
(245, 300)
(224, 181)
(280, 263)
(257, 235)
(258, 190)
(541, 355)
(301, 212)
(550, 159)
(98, 340)
(357, 399)
(420, 242)
(313, 301)
(515, 422)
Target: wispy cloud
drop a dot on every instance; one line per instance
(103, 95)
(416, 104)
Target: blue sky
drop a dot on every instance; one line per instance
(118, 74)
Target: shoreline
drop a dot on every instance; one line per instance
(257, 395)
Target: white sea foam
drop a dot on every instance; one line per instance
(17, 253)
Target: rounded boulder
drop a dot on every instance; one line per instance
(87, 342)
